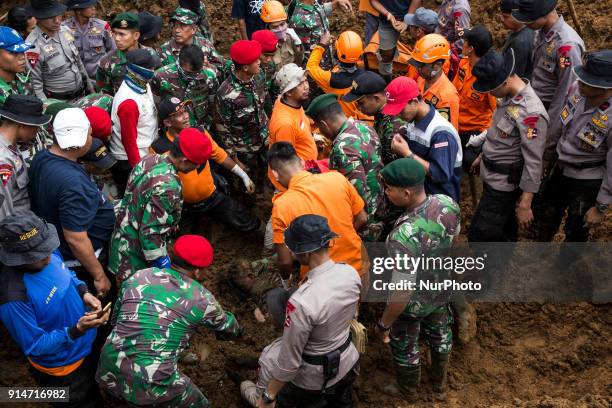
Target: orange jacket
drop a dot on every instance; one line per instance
(323, 79)
(475, 109)
(443, 96)
(365, 5)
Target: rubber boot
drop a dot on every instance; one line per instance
(439, 367)
(408, 378)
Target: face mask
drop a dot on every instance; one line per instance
(280, 32)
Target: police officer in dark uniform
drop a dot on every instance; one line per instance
(579, 154)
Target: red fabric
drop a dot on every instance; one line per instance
(128, 119)
(399, 92)
(267, 39)
(195, 145)
(244, 52)
(195, 250)
(100, 121)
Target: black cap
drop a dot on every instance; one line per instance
(492, 70)
(507, 6)
(168, 106)
(25, 238)
(46, 8)
(529, 11)
(366, 83)
(596, 70)
(307, 233)
(80, 4)
(17, 18)
(24, 109)
(99, 156)
(480, 38)
(150, 25)
(143, 58)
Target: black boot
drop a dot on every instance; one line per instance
(439, 367)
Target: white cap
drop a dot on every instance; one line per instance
(288, 77)
(71, 128)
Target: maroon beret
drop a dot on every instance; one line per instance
(267, 39)
(244, 52)
(194, 250)
(196, 146)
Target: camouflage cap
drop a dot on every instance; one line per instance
(185, 16)
(126, 21)
(404, 172)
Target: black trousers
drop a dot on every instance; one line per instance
(563, 194)
(83, 389)
(223, 208)
(495, 217)
(338, 396)
(121, 172)
(469, 153)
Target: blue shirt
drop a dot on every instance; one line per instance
(62, 193)
(245, 9)
(40, 324)
(399, 8)
(441, 153)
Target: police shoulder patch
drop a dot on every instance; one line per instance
(6, 172)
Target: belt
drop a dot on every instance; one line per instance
(501, 168)
(65, 95)
(320, 360)
(580, 166)
(74, 263)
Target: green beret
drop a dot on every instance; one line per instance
(53, 108)
(403, 173)
(127, 21)
(319, 103)
(185, 16)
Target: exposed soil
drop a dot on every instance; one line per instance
(524, 355)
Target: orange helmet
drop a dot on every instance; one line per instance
(272, 11)
(431, 48)
(349, 47)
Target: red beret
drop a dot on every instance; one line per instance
(244, 52)
(195, 250)
(267, 39)
(196, 146)
(100, 121)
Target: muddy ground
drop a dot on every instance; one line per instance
(524, 355)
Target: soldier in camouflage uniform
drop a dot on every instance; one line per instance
(184, 28)
(189, 78)
(150, 210)
(158, 312)
(240, 119)
(198, 7)
(355, 153)
(112, 67)
(14, 73)
(429, 226)
(100, 100)
(268, 42)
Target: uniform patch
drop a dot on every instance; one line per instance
(565, 62)
(475, 96)
(461, 74)
(532, 133)
(513, 111)
(564, 113)
(434, 100)
(550, 49)
(441, 144)
(598, 123)
(32, 58)
(6, 172)
(565, 49)
(589, 140)
(445, 112)
(603, 116)
(288, 309)
(531, 122)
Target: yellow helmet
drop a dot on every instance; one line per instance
(272, 11)
(349, 47)
(431, 48)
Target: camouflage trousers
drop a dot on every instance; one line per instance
(436, 324)
(191, 397)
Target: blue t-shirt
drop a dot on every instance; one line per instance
(399, 8)
(40, 324)
(245, 9)
(63, 194)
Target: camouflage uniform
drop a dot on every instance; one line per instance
(266, 76)
(168, 82)
(169, 52)
(356, 154)
(426, 230)
(204, 24)
(148, 215)
(111, 70)
(386, 126)
(240, 119)
(310, 23)
(100, 100)
(159, 311)
(21, 85)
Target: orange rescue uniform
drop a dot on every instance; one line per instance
(365, 5)
(475, 109)
(323, 79)
(289, 124)
(443, 96)
(329, 195)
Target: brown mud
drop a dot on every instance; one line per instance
(524, 355)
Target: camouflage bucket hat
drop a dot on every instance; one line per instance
(185, 16)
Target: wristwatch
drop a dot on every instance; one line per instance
(267, 398)
(601, 207)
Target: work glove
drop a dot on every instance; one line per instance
(477, 140)
(248, 183)
(296, 39)
(162, 262)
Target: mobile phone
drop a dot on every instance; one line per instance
(103, 311)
